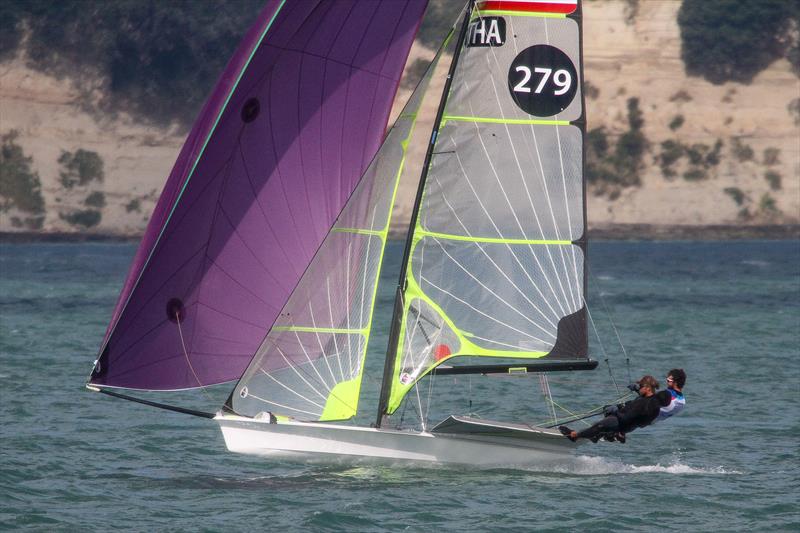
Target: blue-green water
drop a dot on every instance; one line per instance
(727, 312)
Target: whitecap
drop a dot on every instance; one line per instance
(585, 465)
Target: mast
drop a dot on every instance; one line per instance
(397, 314)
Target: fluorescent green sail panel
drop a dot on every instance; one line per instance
(310, 365)
(495, 270)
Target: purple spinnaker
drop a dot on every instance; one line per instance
(278, 148)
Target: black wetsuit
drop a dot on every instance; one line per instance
(636, 413)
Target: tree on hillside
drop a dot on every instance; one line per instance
(731, 40)
(159, 59)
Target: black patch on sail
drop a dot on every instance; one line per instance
(175, 310)
(571, 339)
(250, 110)
(542, 80)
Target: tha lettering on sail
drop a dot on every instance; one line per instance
(487, 31)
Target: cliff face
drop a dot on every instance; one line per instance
(726, 154)
(642, 59)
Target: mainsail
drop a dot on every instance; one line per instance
(310, 365)
(280, 145)
(495, 259)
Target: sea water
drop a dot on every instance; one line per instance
(727, 312)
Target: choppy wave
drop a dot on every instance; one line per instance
(600, 466)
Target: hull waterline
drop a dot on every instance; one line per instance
(320, 441)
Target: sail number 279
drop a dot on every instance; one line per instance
(542, 80)
(562, 79)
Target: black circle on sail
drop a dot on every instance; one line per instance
(250, 110)
(175, 310)
(542, 80)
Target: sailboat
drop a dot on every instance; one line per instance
(261, 263)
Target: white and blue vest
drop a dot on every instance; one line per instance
(675, 406)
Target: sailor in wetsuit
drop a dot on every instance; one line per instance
(643, 411)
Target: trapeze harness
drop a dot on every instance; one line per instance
(676, 404)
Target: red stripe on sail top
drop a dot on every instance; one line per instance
(563, 7)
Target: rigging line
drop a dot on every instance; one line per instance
(273, 378)
(610, 319)
(497, 267)
(527, 190)
(419, 402)
(431, 377)
(142, 401)
(319, 342)
(333, 335)
(493, 319)
(602, 349)
(188, 362)
(548, 395)
(486, 288)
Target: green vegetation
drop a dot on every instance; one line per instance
(87, 218)
(772, 156)
(731, 40)
(701, 159)
(736, 194)
(80, 168)
(681, 96)
(20, 187)
(592, 91)
(671, 152)
(743, 152)
(96, 199)
(631, 11)
(794, 110)
(160, 59)
(676, 122)
(611, 168)
(133, 205)
(767, 206)
(774, 179)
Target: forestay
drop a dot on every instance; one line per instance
(496, 261)
(276, 152)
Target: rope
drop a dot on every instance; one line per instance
(613, 326)
(574, 417)
(188, 362)
(602, 349)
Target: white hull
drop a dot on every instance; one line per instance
(520, 445)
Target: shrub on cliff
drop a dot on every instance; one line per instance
(80, 168)
(20, 187)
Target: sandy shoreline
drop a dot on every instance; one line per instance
(610, 232)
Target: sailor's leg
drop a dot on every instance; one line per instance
(609, 424)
